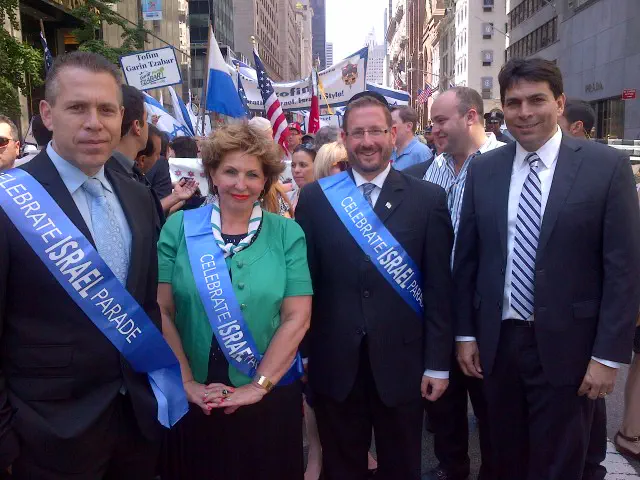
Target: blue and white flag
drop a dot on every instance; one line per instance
(180, 111)
(222, 96)
(48, 58)
(243, 97)
(165, 122)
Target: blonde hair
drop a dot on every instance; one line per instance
(327, 157)
(240, 138)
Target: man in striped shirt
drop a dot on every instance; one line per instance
(458, 130)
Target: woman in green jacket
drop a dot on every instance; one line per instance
(243, 422)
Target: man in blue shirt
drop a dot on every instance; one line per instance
(409, 150)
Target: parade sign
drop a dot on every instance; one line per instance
(152, 10)
(340, 81)
(151, 69)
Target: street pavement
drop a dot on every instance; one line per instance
(619, 467)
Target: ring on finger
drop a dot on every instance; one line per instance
(602, 394)
(225, 392)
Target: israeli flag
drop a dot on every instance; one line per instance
(180, 111)
(222, 96)
(165, 121)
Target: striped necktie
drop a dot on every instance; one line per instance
(526, 238)
(367, 190)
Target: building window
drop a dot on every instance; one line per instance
(487, 58)
(525, 10)
(487, 5)
(487, 30)
(487, 88)
(537, 40)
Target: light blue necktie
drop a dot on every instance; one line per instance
(525, 246)
(367, 190)
(107, 232)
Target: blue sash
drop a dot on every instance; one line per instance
(386, 253)
(220, 303)
(80, 270)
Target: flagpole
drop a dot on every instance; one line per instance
(203, 100)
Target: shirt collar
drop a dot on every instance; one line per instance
(125, 161)
(378, 181)
(72, 177)
(548, 153)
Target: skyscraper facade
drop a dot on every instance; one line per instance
(318, 27)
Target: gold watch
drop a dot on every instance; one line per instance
(264, 382)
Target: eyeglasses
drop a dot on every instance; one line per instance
(359, 133)
(4, 141)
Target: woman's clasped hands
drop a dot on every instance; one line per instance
(219, 395)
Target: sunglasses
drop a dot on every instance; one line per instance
(4, 141)
(342, 165)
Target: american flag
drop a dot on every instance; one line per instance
(423, 95)
(272, 105)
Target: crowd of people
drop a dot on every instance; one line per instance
(148, 330)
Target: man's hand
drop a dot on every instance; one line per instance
(468, 357)
(598, 381)
(433, 388)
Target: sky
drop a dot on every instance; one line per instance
(349, 22)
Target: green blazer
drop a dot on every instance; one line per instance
(272, 268)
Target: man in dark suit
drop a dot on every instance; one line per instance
(370, 354)
(71, 406)
(546, 279)
(134, 133)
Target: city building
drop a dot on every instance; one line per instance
(596, 46)
(478, 50)
(416, 12)
(376, 59)
(259, 19)
(305, 18)
(290, 40)
(431, 57)
(397, 39)
(328, 54)
(319, 32)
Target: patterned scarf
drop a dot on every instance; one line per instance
(216, 226)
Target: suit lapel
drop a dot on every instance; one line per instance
(131, 211)
(391, 195)
(563, 178)
(42, 169)
(501, 179)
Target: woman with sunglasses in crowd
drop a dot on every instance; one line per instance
(302, 169)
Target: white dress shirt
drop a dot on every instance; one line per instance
(548, 154)
(375, 194)
(378, 182)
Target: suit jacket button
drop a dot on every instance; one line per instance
(366, 294)
(241, 286)
(367, 259)
(243, 306)
(240, 264)
(502, 270)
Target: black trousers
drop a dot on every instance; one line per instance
(538, 431)
(597, 450)
(449, 422)
(125, 454)
(345, 432)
